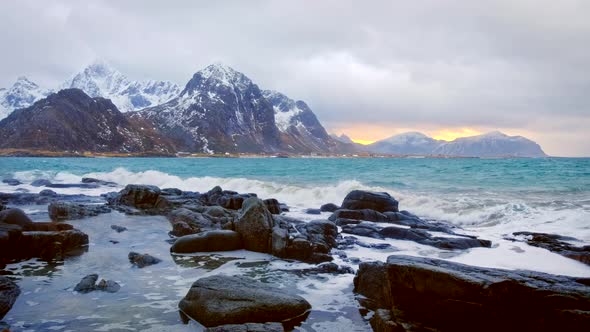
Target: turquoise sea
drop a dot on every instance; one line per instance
(489, 198)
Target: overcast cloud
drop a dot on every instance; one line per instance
(368, 68)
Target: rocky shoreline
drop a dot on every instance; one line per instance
(403, 293)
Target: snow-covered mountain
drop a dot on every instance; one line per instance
(102, 80)
(406, 143)
(222, 110)
(70, 120)
(493, 144)
(299, 127)
(342, 138)
(23, 93)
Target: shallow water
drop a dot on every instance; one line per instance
(487, 198)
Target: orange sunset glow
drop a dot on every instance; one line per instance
(369, 134)
(451, 134)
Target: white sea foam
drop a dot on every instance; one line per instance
(491, 216)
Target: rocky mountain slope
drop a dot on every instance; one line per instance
(23, 93)
(493, 144)
(406, 143)
(222, 110)
(299, 128)
(70, 120)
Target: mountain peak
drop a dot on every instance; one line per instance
(220, 71)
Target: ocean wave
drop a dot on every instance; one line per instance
(482, 211)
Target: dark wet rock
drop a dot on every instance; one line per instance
(40, 183)
(16, 217)
(363, 229)
(199, 219)
(378, 201)
(50, 245)
(113, 241)
(44, 197)
(59, 211)
(73, 185)
(416, 235)
(139, 196)
(99, 182)
(273, 205)
(321, 233)
(2, 206)
(382, 321)
(142, 260)
(361, 214)
(20, 238)
(12, 182)
(217, 300)
(431, 294)
(557, 243)
(108, 286)
(330, 207)
(118, 229)
(248, 327)
(48, 193)
(9, 292)
(87, 284)
(313, 211)
(171, 191)
(279, 240)
(255, 225)
(4, 327)
(219, 240)
(327, 267)
(284, 207)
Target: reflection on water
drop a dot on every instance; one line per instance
(148, 298)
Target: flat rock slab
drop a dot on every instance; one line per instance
(218, 300)
(221, 240)
(447, 296)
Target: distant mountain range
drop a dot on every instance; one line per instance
(219, 110)
(493, 144)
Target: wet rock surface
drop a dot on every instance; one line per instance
(558, 244)
(21, 238)
(59, 211)
(429, 294)
(89, 284)
(219, 300)
(9, 292)
(219, 240)
(142, 260)
(377, 201)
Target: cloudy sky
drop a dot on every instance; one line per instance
(369, 69)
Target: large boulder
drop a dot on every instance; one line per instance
(432, 294)
(139, 196)
(69, 210)
(255, 225)
(49, 245)
(219, 240)
(329, 207)
(378, 201)
(321, 233)
(9, 291)
(219, 300)
(185, 221)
